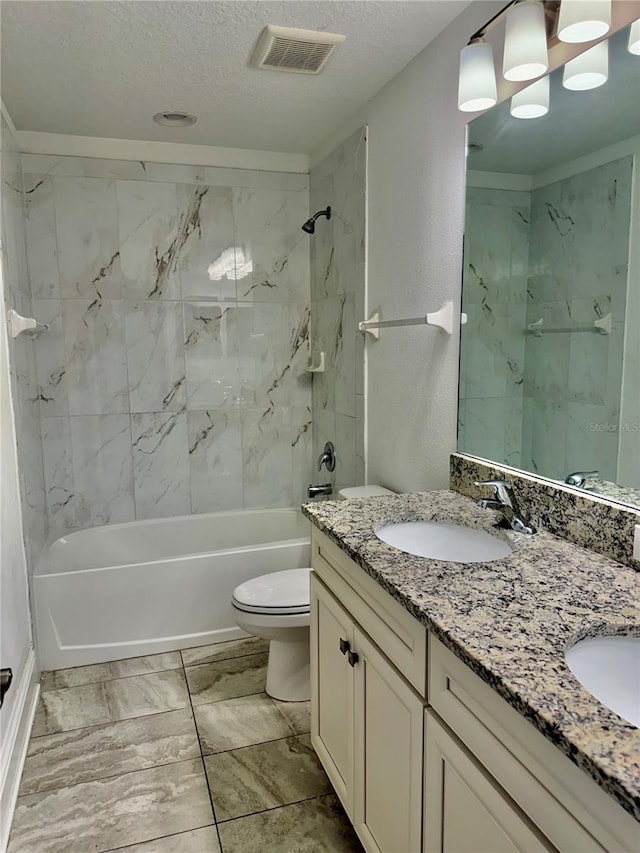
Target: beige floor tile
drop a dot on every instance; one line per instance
(83, 755)
(239, 722)
(264, 776)
(227, 679)
(203, 840)
(314, 826)
(224, 651)
(108, 671)
(114, 812)
(109, 701)
(297, 714)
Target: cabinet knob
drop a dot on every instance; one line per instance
(353, 658)
(345, 645)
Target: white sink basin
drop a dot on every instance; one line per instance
(609, 668)
(441, 541)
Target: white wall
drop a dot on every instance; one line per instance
(415, 215)
(16, 647)
(15, 618)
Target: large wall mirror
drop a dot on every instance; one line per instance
(550, 354)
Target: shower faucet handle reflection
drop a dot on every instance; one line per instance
(327, 457)
(579, 478)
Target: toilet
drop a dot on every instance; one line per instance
(277, 607)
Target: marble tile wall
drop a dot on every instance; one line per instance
(172, 378)
(22, 358)
(548, 404)
(579, 250)
(337, 304)
(492, 355)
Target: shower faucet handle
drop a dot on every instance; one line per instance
(327, 457)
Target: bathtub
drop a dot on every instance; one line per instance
(142, 587)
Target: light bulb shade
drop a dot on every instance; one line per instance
(477, 83)
(531, 102)
(583, 20)
(589, 70)
(525, 42)
(634, 38)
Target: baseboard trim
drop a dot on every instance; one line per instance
(20, 724)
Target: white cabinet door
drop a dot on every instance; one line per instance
(388, 754)
(332, 720)
(465, 810)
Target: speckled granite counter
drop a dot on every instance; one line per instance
(510, 620)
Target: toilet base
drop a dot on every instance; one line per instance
(288, 677)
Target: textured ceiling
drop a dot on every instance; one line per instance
(104, 68)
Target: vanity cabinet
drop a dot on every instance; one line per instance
(440, 764)
(367, 728)
(465, 810)
(332, 729)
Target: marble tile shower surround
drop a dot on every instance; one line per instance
(337, 304)
(492, 352)
(172, 378)
(578, 261)
(22, 357)
(560, 254)
(591, 522)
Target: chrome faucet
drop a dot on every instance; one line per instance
(504, 501)
(579, 478)
(327, 457)
(325, 489)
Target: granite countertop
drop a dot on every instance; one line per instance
(510, 620)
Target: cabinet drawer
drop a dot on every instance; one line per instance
(402, 637)
(568, 807)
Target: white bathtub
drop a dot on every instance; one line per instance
(153, 586)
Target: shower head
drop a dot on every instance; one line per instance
(310, 225)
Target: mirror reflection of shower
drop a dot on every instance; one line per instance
(310, 225)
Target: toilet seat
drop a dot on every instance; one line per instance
(277, 594)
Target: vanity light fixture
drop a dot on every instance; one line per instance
(532, 102)
(525, 42)
(589, 70)
(530, 26)
(583, 20)
(634, 38)
(477, 88)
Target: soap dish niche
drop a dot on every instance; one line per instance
(315, 362)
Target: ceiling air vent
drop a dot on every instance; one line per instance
(298, 51)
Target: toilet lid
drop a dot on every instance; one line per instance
(278, 593)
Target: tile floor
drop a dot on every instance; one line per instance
(174, 753)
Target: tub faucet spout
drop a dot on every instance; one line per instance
(325, 489)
